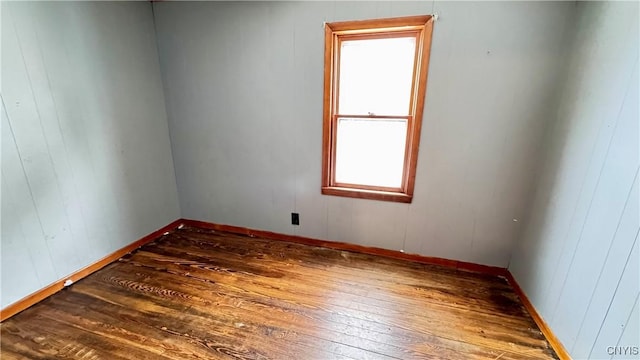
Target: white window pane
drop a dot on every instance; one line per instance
(370, 151)
(376, 76)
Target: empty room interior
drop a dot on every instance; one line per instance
(320, 180)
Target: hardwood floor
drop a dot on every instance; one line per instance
(200, 294)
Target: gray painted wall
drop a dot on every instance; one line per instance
(86, 159)
(578, 259)
(243, 86)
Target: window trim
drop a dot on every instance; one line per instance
(336, 32)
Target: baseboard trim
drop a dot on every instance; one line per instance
(553, 340)
(460, 265)
(556, 345)
(53, 288)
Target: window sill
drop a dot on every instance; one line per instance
(367, 194)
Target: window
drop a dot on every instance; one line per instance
(375, 75)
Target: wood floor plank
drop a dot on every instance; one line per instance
(370, 304)
(342, 322)
(218, 322)
(330, 338)
(394, 292)
(451, 285)
(202, 294)
(443, 325)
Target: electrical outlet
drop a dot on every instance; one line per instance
(295, 219)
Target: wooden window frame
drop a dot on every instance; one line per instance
(335, 33)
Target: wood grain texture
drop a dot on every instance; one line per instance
(555, 343)
(419, 92)
(201, 294)
(53, 288)
(366, 194)
(456, 264)
(405, 21)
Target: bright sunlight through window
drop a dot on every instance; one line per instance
(375, 77)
